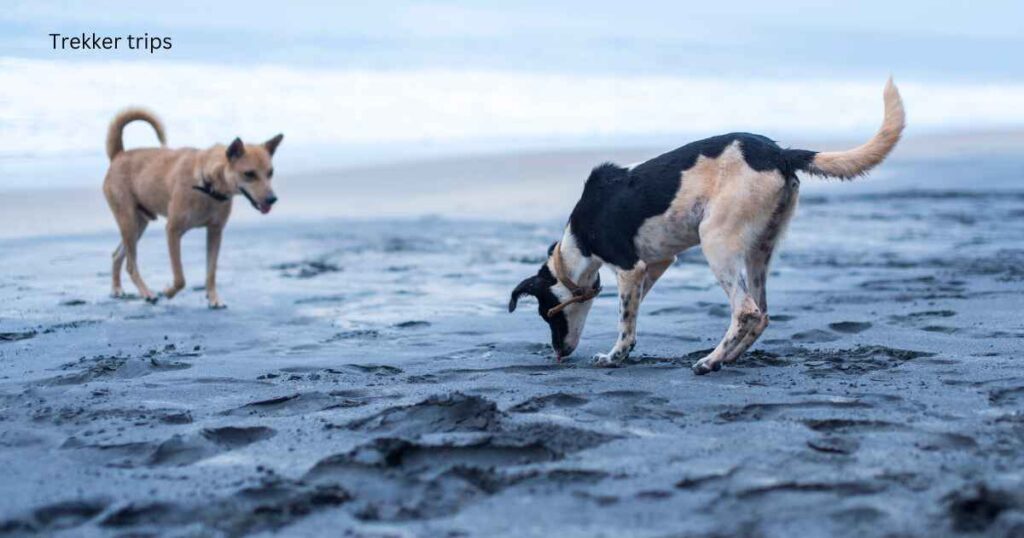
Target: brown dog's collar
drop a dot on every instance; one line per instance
(207, 189)
(579, 293)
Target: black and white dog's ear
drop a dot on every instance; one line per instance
(527, 286)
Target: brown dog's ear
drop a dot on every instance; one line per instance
(527, 286)
(236, 149)
(272, 144)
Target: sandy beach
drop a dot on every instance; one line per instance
(367, 380)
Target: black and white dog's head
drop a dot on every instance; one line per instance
(566, 326)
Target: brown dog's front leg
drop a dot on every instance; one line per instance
(213, 237)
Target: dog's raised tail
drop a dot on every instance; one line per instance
(115, 144)
(858, 161)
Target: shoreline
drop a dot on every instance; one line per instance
(521, 186)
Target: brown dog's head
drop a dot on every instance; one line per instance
(250, 170)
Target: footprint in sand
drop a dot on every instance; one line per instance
(50, 518)
(269, 506)
(915, 318)
(413, 324)
(15, 336)
(944, 329)
(834, 445)
(850, 327)
(1008, 397)
(558, 399)
(306, 269)
(814, 336)
(176, 451)
(102, 367)
(857, 361)
(403, 478)
(301, 404)
(447, 413)
(763, 411)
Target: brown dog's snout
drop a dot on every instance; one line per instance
(271, 199)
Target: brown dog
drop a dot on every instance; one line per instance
(193, 188)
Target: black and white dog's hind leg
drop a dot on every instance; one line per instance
(728, 264)
(633, 287)
(757, 259)
(757, 274)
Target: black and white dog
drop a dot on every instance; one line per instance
(733, 194)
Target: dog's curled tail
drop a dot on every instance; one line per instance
(858, 161)
(115, 144)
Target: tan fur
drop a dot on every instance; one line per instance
(725, 206)
(124, 117)
(725, 194)
(737, 215)
(143, 183)
(852, 163)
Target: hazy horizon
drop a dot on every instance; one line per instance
(354, 84)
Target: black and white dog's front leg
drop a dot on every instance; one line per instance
(631, 291)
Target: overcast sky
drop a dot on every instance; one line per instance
(947, 40)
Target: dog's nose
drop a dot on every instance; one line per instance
(270, 199)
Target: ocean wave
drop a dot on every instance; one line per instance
(52, 107)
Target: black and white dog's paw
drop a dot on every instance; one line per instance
(609, 360)
(705, 366)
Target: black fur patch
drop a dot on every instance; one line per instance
(616, 201)
(547, 300)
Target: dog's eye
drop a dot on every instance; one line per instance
(270, 174)
(250, 174)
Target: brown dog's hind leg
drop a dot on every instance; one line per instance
(131, 231)
(117, 290)
(174, 233)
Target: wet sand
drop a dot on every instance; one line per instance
(366, 380)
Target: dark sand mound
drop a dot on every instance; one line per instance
(407, 477)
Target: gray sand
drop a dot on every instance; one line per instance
(367, 381)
